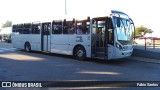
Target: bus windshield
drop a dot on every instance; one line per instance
(125, 31)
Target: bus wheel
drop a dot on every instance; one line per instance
(27, 47)
(80, 53)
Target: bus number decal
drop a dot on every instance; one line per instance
(79, 39)
(88, 37)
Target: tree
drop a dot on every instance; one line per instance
(7, 24)
(141, 31)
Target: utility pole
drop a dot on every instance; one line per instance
(65, 7)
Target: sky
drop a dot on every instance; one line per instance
(143, 12)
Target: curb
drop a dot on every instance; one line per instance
(144, 59)
(146, 54)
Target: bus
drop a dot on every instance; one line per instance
(105, 37)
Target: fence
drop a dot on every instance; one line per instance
(147, 43)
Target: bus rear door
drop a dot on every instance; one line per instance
(45, 40)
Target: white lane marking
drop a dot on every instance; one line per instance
(7, 49)
(1, 51)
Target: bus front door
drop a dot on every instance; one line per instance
(45, 40)
(100, 34)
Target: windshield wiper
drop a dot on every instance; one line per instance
(124, 26)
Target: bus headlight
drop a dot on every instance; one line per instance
(119, 46)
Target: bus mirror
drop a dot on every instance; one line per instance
(118, 22)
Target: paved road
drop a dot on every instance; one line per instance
(17, 65)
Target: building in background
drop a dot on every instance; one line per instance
(5, 34)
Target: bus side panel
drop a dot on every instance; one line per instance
(35, 41)
(14, 40)
(17, 41)
(64, 44)
(59, 44)
(84, 40)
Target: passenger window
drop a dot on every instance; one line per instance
(20, 29)
(57, 27)
(68, 27)
(14, 29)
(36, 28)
(27, 28)
(83, 27)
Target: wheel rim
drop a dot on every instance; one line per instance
(80, 53)
(27, 48)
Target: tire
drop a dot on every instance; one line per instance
(80, 53)
(27, 47)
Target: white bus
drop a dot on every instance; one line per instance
(105, 37)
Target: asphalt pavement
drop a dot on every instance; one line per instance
(17, 65)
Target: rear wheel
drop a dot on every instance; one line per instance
(80, 53)
(27, 47)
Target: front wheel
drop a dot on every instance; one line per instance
(80, 53)
(27, 47)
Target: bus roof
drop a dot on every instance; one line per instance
(82, 16)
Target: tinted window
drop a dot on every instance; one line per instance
(14, 28)
(57, 27)
(83, 27)
(36, 29)
(20, 29)
(27, 28)
(69, 27)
